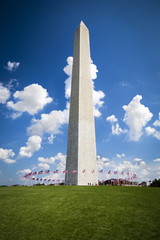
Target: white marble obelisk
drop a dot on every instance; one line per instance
(81, 148)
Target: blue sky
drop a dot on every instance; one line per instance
(36, 42)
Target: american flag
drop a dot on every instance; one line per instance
(26, 176)
(41, 179)
(122, 173)
(44, 179)
(65, 171)
(101, 171)
(33, 178)
(40, 172)
(49, 180)
(84, 171)
(92, 171)
(74, 171)
(56, 171)
(58, 180)
(109, 172)
(29, 174)
(62, 180)
(127, 173)
(47, 171)
(115, 172)
(53, 180)
(37, 179)
(34, 173)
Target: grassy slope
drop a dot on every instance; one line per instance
(71, 212)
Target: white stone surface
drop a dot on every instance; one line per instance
(81, 147)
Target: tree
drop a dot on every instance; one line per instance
(155, 183)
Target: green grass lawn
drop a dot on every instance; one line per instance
(75, 212)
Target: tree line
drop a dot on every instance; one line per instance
(155, 183)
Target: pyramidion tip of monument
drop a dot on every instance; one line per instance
(82, 24)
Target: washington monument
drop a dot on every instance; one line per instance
(81, 163)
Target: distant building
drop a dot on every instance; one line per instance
(143, 184)
(119, 182)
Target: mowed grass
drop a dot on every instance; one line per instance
(75, 212)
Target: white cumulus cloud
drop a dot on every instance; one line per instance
(111, 119)
(61, 166)
(116, 129)
(152, 131)
(32, 99)
(51, 138)
(50, 160)
(16, 115)
(97, 95)
(33, 144)
(137, 159)
(94, 70)
(59, 162)
(139, 168)
(136, 117)
(12, 66)
(68, 70)
(126, 166)
(120, 155)
(44, 166)
(102, 162)
(24, 171)
(60, 157)
(49, 123)
(140, 162)
(156, 160)
(157, 122)
(6, 155)
(4, 94)
(97, 102)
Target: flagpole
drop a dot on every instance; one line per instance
(103, 178)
